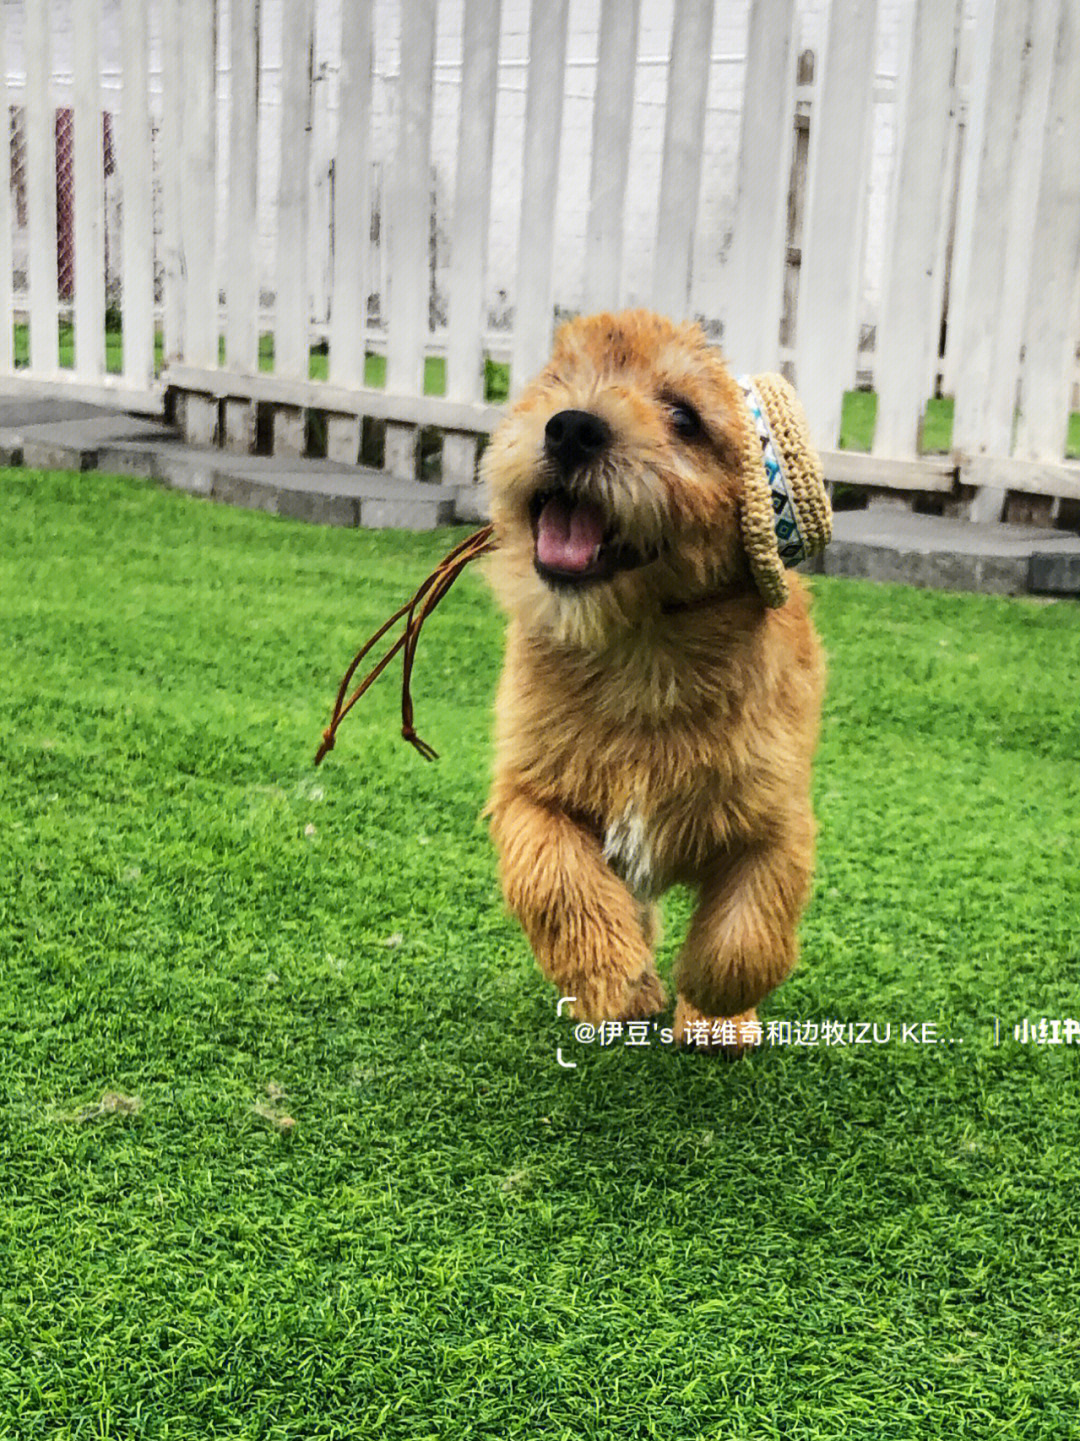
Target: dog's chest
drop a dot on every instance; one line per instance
(629, 850)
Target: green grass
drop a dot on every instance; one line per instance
(860, 413)
(114, 348)
(456, 1238)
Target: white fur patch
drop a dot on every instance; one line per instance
(628, 851)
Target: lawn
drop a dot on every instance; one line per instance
(285, 1151)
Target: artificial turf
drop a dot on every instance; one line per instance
(285, 1149)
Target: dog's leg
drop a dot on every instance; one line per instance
(742, 940)
(582, 922)
(723, 1034)
(651, 925)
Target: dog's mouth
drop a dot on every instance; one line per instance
(576, 544)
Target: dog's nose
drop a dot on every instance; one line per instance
(574, 437)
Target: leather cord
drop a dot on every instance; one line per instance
(415, 612)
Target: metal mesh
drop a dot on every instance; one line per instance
(65, 203)
(20, 251)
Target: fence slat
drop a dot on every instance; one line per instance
(410, 202)
(1050, 331)
(753, 277)
(972, 62)
(320, 196)
(41, 193)
(291, 306)
(534, 297)
(352, 197)
(7, 329)
(680, 179)
(138, 217)
(89, 195)
(351, 222)
(199, 153)
(906, 348)
(830, 280)
(990, 320)
(472, 200)
(613, 116)
(974, 332)
(172, 150)
(241, 276)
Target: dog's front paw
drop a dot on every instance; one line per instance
(728, 1036)
(646, 997)
(598, 999)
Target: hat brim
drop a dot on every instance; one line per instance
(797, 500)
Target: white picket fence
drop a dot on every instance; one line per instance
(982, 222)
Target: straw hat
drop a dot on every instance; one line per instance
(786, 514)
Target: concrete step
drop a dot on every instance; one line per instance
(942, 554)
(66, 435)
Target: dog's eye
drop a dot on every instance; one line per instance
(685, 421)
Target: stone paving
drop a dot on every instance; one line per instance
(893, 544)
(885, 543)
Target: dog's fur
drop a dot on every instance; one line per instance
(655, 727)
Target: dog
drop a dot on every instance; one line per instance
(660, 698)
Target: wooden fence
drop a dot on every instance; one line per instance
(982, 231)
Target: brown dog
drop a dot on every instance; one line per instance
(659, 706)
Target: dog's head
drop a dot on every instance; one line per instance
(628, 479)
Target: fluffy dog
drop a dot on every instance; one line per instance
(659, 705)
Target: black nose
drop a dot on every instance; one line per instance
(574, 437)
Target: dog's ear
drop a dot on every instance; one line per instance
(785, 514)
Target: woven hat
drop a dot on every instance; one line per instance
(786, 514)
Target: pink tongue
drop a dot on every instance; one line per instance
(567, 534)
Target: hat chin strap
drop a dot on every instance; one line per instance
(790, 542)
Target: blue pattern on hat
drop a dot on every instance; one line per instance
(789, 537)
